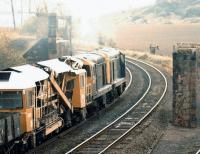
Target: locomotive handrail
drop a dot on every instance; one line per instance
(59, 90)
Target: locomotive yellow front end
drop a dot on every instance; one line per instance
(17, 101)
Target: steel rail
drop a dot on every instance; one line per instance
(130, 81)
(74, 127)
(146, 115)
(120, 117)
(198, 152)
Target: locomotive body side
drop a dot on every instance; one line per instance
(107, 77)
(36, 101)
(117, 69)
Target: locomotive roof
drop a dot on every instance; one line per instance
(111, 52)
(83, 59)
(91, 56)
(58, 66)
(22, 77)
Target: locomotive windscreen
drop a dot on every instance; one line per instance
(4, 76)
(10, 100)
(87, 68)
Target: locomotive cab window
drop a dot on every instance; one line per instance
(29, 98)
(70, 85)
(87, 68)
(10, 100)
(122, 58)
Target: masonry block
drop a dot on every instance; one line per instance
(185, 79)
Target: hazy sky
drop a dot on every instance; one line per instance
(99, 7)
(81, 8)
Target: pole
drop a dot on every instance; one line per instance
(29, 6)
(13, 14)
(21, 12)
(70, 35)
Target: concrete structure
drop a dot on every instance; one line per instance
(52, 41)
(52, 33)
(185, 85)
(37, 52)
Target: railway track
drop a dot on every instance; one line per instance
(56, 137)
(81, 134)
(198, 152)
(110, 135)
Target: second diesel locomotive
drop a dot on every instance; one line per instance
(37, 100)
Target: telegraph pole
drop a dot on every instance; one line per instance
(70, 34)
(21, 13)
(29, 6)
(13, 14)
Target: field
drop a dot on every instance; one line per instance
(130, 37)
(140, 36)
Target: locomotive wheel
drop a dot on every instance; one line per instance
(80, 115)
(109, 97)
(83, 113)
(67, 118)
(2, 150)
(33, 140)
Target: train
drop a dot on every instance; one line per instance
(43, 98)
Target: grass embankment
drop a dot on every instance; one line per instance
(162, 61)
(9, 56)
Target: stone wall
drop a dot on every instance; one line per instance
(185, 87)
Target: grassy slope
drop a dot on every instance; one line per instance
(162, 61)
(9, 56)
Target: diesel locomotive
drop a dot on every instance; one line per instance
(41, 99)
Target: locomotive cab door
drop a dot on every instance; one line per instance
(79, 91)
(122, 66)
(79, 96)
(29, 102)
(94, 80)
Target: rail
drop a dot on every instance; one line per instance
(120, 117)
(146, 115)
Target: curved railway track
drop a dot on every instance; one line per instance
(130, 103)
(119, 128)
(198, 152)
